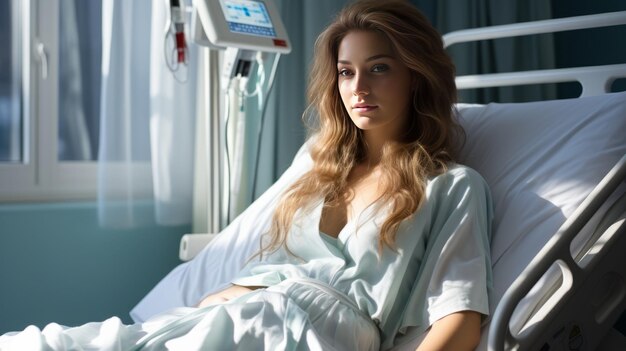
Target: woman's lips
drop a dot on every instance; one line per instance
(364, 107)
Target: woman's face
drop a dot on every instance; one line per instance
(375, 86)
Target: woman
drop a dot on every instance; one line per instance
(383, 242)
(384, 89)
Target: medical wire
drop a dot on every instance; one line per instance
(260, 130)
(226, 149)
(169, 24)
(235, 81)
(235, 173)
(260, 81)
(263, 109)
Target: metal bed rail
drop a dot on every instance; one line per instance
(537, 27)
(595, 80)
(578, 283)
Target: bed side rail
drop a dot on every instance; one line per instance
(595, 80)
(581, 282)
(536, 27)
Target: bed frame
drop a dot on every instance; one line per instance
(565, 319)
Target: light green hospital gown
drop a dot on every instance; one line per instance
(441, 264)
(333, 294)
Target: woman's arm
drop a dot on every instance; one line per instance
(229, 293)
(455, 332)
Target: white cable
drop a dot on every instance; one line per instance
(260, 130)
(259, 81)
(238, 125)
(168, 26)
(207, 135)
(226, 187)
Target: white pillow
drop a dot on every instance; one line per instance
(540, 159)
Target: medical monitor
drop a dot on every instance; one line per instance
(245, 24)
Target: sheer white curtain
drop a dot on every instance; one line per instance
(147, 116)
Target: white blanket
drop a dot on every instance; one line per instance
(294, 315)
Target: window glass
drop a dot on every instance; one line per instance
(11, 124)
(80, 58)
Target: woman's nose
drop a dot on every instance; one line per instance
(360, 85)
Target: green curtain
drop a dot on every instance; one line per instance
(500, 55)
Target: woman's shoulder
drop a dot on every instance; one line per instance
(458, 190)
(458, 178)
(459, 173)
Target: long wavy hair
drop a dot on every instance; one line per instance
(337, 145)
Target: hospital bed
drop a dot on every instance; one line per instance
(557, 172)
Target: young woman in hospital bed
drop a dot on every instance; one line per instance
(379, 239)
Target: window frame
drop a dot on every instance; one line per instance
(41, 176)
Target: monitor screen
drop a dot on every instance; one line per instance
(248, 17)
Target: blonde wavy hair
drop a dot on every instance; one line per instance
(337, 145)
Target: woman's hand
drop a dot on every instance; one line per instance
(455, 332)
(229, 293)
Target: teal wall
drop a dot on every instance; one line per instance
(58, 265)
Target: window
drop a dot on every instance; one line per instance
(49, 99)
(10, 85)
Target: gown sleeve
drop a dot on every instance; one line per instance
(455, 274)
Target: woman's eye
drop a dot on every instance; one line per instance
(380, 68)
(344, 72)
